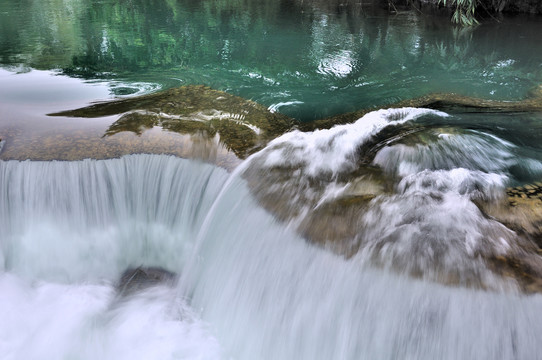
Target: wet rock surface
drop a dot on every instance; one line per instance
(325, 211)
(522, 262)
(520, 210)
(140, 278)
(416, 201)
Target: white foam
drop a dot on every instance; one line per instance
(472, 150)
(433, 227)
(333, 150)
(86, 321)
(469, 183)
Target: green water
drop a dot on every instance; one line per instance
(306, 59)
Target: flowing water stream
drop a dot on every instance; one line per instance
(371, 240)
(250, 286)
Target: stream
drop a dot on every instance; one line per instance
(378, 239)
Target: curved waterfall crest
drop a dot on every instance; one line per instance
(253, 286)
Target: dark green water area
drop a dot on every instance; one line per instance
(306, 60)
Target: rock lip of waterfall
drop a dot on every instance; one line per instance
(403, 196)
(198, 122)
(257, 290)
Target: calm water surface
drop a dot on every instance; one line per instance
(305, 59)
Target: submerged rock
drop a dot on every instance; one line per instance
(213, 120)
(136, 279)
(243, 126)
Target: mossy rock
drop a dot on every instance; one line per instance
(243, 126)
(524, 267)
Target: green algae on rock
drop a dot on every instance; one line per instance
(243, 126)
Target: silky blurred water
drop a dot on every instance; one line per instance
(250, 287)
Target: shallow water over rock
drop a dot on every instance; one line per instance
(418, 202)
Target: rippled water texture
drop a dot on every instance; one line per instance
(307, 59)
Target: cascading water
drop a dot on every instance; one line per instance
(69, 229)
(256, 289)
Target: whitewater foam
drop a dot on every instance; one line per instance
(332, 151)
(413, 209)
(83, 321)
(471, 149)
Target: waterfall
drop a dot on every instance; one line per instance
(69, 229)
(85, 220)
(270, 294)
(257, 289)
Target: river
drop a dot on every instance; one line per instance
(380, 239)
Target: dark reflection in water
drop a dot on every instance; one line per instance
(307, 59)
